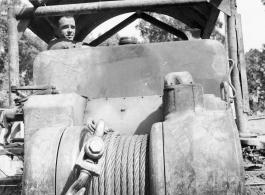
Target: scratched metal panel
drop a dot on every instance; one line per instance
(133, 115)
(40, 161)
(131, 70)
(202, 154)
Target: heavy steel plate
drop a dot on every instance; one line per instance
(131, 70)
(40, 161)
(130, 115)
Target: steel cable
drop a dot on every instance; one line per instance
(136, 164)
(125, 167)
(110, 164)
(101, 178)
(117, 173)
(143, 166)
(130, 166)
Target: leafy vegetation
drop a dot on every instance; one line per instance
(256, 78)
(29, 46)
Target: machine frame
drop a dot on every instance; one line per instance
(194, 16)
(20, 18)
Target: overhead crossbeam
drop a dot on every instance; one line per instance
(211, 23)
(131, 19)
(95, 7)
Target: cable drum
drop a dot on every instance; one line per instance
(125, 166)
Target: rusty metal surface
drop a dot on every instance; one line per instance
(131, 70)
(39, 175)
(90, 14)
(130, 115)
(70, 145)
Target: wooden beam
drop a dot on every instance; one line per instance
(211, 23)
(102, 6)
(242, 63)
(13, 52)
(241, 117)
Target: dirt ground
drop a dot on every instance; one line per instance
(8, 188)
(9, 191)
(255, 178)
(254, 161)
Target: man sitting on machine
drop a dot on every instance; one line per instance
(64, 28)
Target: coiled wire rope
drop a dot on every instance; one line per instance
(125, 166)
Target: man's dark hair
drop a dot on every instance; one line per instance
(57, 18)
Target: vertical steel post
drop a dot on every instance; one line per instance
(13, 50)
(241, 117)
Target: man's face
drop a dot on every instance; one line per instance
(66, 28)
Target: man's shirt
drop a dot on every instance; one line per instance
(63, 44)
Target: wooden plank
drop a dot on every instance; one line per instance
(242, 63)
(13, 51)
(211, 23)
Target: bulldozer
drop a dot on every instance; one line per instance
(162, 113)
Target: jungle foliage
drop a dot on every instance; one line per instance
(255, 60)
(29, 46)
